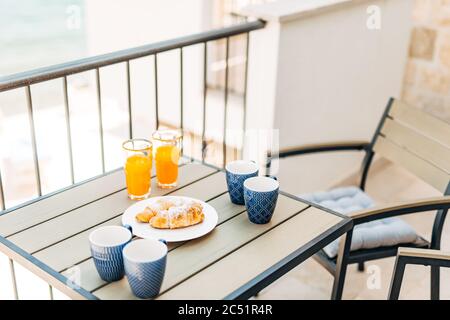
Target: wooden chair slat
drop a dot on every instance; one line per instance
(421, 121)
(425, 170)
(424, 147)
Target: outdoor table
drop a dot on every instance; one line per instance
(49, 237)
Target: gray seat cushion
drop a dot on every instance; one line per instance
(380, 233)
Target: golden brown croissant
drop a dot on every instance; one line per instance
(160, 221)
(146, 215)
(178, 216)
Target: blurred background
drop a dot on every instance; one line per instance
(38, 33)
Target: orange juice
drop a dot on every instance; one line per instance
(138, 171)
(138, 168)
(166, 158)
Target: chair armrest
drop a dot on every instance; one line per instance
(322, 147)
(423, 253)
(426, 257)
(401, 208)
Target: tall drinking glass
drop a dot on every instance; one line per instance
(138, 168)
(167, 146)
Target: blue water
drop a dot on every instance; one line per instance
(36, 33)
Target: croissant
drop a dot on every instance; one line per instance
(146, 215)
(160, 221)
(164, 214)
(178, 217)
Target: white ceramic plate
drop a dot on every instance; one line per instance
(144, 230)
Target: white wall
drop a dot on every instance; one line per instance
(319, 74)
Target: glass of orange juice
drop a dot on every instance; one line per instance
(167, 146)
(138, 168)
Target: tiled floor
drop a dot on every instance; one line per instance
(387, 183)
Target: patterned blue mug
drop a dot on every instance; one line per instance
(145, 265)
(107, 244)
(261, 195)
(236, 173)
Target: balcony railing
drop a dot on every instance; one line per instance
(26, 80)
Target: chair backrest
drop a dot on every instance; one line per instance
(417, 141)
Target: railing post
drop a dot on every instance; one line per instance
(68, 129)
(33, 140)
(244, 104)
(156, 91)
(2, 194)
(225, 108)
(13, 279)
(181, 90)
(130, 113)
(50, 292)
(100, 118)
(205, 94)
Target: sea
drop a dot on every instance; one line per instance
(36, 33)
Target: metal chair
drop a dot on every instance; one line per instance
(420, 143)
(426, 257)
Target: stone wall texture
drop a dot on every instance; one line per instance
(427, 75)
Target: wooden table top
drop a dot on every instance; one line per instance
(49, 236)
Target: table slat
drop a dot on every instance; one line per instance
(59, 203)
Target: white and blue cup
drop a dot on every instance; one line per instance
(107, 244)
(236, 173)
(145, 265)
(261, 195)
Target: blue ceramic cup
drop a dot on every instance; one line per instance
(237, 172)
(107, 244)
(261, 195)
(145, 265)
